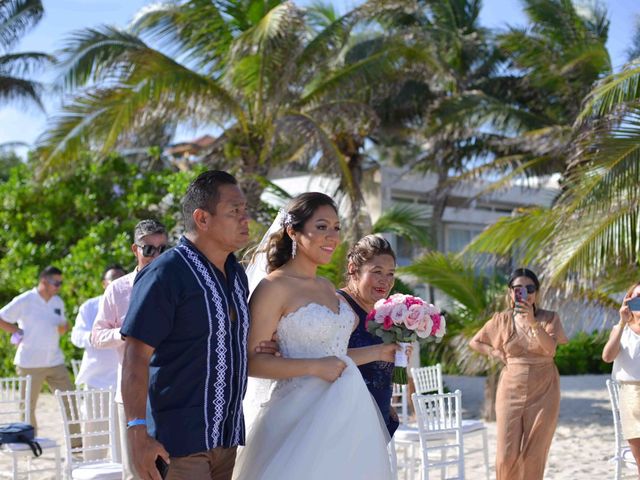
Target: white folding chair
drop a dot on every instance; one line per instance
(75, 366)
(622, 455)
(400, 402)
(440, 428)
(429, 380)
(91, 410)
(15, 395)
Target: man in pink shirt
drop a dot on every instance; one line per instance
(150, 240)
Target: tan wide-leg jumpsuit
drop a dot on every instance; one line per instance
(528, 396)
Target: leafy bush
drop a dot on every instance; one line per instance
(583, 354)
(80, 221)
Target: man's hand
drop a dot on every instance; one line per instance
(270, 347)
(144, 451)
(63, 328)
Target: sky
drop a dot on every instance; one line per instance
(20, 123)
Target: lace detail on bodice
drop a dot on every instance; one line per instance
(315, 331)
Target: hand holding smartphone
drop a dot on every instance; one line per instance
(162, 466)
(634, 304)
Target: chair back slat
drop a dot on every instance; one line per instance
(15, 393)
(428, 379)
(92, 410)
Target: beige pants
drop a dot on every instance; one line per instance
(216, 464)
(128, 470)
(58, 379)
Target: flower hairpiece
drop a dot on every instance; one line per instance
(287, 218)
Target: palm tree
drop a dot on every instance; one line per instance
(16, 18)
(277, 90)
(552, 62)
(589, 238)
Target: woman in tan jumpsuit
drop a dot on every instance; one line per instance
(524, 338)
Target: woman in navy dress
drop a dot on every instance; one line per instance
(371, 274)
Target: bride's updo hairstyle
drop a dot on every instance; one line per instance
(299, 210)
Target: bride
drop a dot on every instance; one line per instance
(320, 421)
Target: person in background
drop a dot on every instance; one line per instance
(371, 266)
(99, 368)
(149, 241)
(524, 338)
(623, 349)
(36, 320)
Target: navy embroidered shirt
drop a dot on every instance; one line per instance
(197, 321)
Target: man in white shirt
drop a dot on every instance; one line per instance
(36, 320)
(99, 367)
(150, 240)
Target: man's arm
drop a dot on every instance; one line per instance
(106, 329)
(8, 327)
(81, 332)
(135, 381)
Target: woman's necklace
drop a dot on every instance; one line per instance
(356, 298)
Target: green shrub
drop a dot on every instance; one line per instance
(583, 354)
(79, 220)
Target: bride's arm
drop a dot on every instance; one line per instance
(266, 308)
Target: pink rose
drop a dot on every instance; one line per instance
(381, 312)
(414, 316)
(425, 327)
(399, 313)
(410, 300)
(388, 323)
(439, 326)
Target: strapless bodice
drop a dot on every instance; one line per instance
(315, 331)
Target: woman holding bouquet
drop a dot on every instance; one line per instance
(371, 266)
(524, 338)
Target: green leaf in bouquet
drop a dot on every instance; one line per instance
(387, 336)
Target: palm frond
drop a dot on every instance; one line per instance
(196, 31)
(613, 92)
(406, 221)
(16, 17)
(18, 89)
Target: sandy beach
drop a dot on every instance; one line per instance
(581, 448)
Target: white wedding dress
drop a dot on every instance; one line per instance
(310, 429)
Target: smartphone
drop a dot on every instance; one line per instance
(634, 304)
(520, 294)
(162, 466)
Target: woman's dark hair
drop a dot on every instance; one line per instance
(524, 272)
(299, 210)
(366, 249)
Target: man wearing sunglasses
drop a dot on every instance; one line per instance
(150, 240)
(35, 319)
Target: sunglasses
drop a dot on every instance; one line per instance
(530, 288)
(151, 251)
(55, 283)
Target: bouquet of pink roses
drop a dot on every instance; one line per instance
(404, 319)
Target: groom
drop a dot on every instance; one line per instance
(186, 339)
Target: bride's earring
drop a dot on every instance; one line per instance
(294, 247)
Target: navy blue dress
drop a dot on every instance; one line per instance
(377, 375)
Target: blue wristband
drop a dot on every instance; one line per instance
(135, 422)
